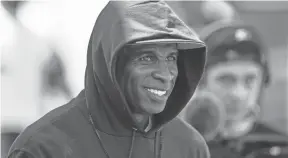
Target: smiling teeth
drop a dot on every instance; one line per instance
(157, 92)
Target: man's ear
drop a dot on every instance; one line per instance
(266, 75)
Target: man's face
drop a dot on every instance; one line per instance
(237, 84)
(149, 76)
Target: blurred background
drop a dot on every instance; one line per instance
(43, 55)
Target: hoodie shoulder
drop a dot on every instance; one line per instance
(48, 135)
(187, 136)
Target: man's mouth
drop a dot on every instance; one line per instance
(157, 92)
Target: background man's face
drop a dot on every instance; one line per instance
(149, 76)
(237, 84)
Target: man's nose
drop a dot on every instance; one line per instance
(163, 73)
(241, 92)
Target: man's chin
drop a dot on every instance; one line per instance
(155, 110)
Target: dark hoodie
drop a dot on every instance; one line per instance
(111, 131)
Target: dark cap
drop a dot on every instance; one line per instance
(233, 41)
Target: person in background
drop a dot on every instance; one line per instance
(227, 104)
(143, 65)
(22, 54)
(55, 88)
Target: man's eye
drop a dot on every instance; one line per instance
(249, 81)
(172, 58)
(146, 58)
(227, 80)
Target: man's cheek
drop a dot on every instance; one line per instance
(219, 91)
(230, 98)
(254, 94)
(173, 70)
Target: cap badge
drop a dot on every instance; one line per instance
(242, 35)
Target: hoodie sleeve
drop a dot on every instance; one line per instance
(202, 150)
(46, 142)
(205, 153)
(191, 138)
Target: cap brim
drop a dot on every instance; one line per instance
(181, 44)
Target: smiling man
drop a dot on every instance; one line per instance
(143, 65)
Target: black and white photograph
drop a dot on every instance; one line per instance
(144, 79)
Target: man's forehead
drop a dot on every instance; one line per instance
(241, 67)
(154, 47)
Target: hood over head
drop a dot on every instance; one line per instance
(121, 23)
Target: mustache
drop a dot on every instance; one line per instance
(249, 111)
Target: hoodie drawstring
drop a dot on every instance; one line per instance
(98, 136)
(101, 143)
(132, 142)
(158, 144)
(157, 141)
